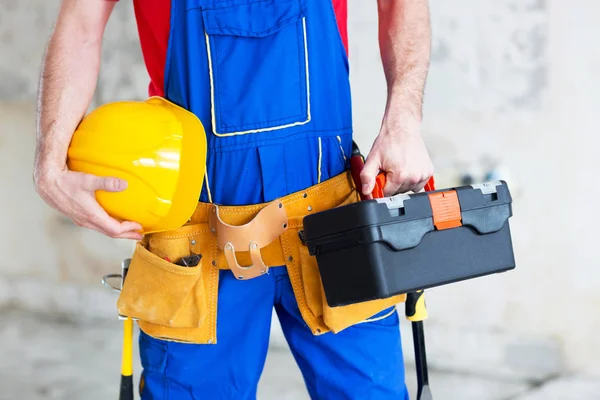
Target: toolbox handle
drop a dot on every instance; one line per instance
(380, 183)
(357, 163)
(430, 185)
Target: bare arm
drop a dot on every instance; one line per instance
(405, 44)
(68, 79)
(67, 84)
(399, 150)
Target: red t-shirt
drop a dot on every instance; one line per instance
(153, 21)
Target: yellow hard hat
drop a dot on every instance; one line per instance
(156, 146)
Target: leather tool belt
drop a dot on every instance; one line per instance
(179, 303)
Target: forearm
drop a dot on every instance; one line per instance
(68, 80)
(405, 45)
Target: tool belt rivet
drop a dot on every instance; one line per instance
(193, 242)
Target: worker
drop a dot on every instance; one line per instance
(269, 80)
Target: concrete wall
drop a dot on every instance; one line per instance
(512, 84)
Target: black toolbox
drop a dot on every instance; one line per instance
(378, 248)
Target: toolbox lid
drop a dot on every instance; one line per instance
(484, 207)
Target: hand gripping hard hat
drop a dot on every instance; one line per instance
(156, 146)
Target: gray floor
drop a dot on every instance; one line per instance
(44, 357)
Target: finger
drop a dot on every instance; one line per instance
(130, 230)
(130, 235)
(131, 226)
(390, 188)
(133, 235)
(408, 183)
(368, 175)
(391, 185)
(405, 187)
(115, 232)
(419, 187)
(108, 184)
(90, 226)
(100, 219)
(109, 231)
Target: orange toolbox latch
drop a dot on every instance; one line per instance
(446, 209)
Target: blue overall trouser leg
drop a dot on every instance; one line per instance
(362, 362)
(269, 79)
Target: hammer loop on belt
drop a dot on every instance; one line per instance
(270, 223)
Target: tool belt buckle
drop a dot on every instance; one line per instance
(105, 281)
(264, 228)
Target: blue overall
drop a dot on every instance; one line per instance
(269, 80)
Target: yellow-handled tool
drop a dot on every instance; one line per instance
(126, 390)
(126, 387)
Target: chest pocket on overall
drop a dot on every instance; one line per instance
(258, 64)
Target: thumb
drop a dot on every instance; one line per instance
(108, 184)
(368, 175)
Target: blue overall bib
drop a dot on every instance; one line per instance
(269, 81)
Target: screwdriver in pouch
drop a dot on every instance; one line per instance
(189, 261)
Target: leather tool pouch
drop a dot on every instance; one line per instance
(159, 292)
(306, 280)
